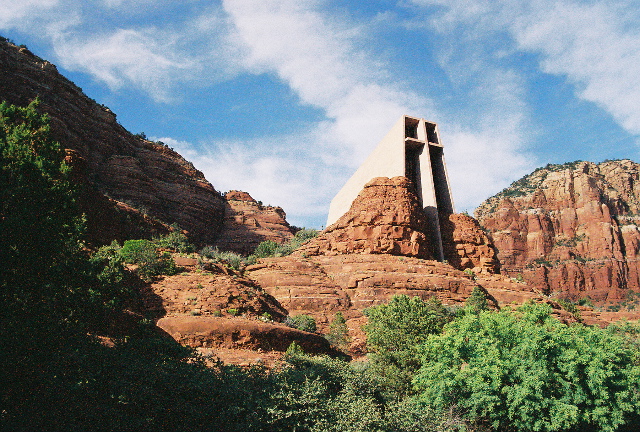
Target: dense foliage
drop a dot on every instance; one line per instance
(394, 330)
(150, 262)
(528, 372)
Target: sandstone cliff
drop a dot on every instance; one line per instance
(247, 223)
(132, 187)
(570, 229)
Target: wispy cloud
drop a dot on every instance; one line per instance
(125, 57)
(14, 13)
(595, 45)
(314, 53)
(317, 55)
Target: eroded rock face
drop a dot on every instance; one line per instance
(571, 229)
(114, 166)
(215, 291)
(323, 285)
(218, 309)
(466, 246)
(385, 218)
(248, 223)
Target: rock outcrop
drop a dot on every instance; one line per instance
(571, 229)
(126, 179)
(248, 223)
(219, 311)
(467, 246)
(385, 218)
(241, 333)
(323, 285)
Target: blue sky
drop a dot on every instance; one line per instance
(284, 99)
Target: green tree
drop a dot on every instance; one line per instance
(477, 301)
(175, 240)
(145, 254)
(526, 371)
(338, 334)
(394, 332)
(40, 224)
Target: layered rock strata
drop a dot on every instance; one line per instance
(571, 229)
(247, 223)
(323, 285)
(114, 166)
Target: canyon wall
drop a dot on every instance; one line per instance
(570, 229)
(131, 187)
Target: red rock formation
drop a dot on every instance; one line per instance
(216, 291)
(466, 246)
(218, 309)
(571, 229)
(385, 218)
(114, 165)
(248, 223)
(239, 333)
(323, 285)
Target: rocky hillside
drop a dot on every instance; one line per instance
(132, 187)
(570, 229)
(248, 222)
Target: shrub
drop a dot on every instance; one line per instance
(570, 307)
(176, 241)
(233, 311)
(301, 322)
(338, 334)
(266, 249)
(526, 371)
(293, 350)
(269, 248)
(229, 259)
(144, 253)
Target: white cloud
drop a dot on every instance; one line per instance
(315, 54)
(13, 13)
(595, 44)
(275, 177)
(125, 57)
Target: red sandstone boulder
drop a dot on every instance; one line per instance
(385, 218)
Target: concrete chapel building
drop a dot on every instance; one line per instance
(412, 148)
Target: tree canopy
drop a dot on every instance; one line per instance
(526, 371)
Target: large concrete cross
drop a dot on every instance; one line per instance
(412, 148)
